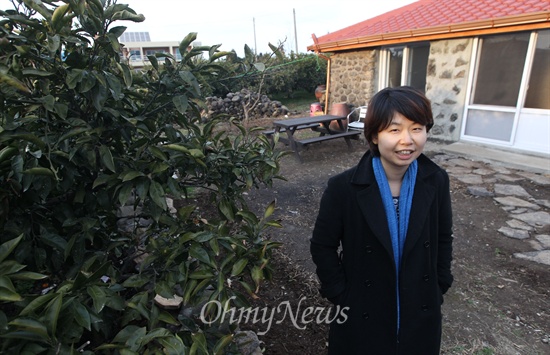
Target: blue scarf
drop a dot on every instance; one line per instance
(398, 226)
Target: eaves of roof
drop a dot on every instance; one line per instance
(530, 21)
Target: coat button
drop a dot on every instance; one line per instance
(368, 283)
(365, 315)
(426, 278)
(368, 249)
(427, 244)
(424, 307)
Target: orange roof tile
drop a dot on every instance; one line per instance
(431, 14)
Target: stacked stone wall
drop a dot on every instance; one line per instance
(446, 85)
(352, 77)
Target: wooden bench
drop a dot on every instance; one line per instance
(306, 126)
(269, 133)
(326, 137)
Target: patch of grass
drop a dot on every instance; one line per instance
(485, 351)
(301, 100)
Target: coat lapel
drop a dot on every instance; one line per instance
(370, 202)
(375, 217)
(369, 196)
(422, 199)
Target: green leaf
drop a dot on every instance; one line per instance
(126, 333)
(188, 290)
(37, 303)
(269, 210)
(51, 315)
(157, 153)
(127, 75)
(154, 61)
(186, 42)
(199, 343)
(157, 195)
(124, 193)
(173, 345)
(185, 211)
(81, 315)
(117, 30)
(12, 81)
(136, 280)
(61, 109)
(226, 208)
(9, 267)
(54, 241)
(7, 247)
(257, 275)
(154, 334)
(74, 77)
(114, 85)
(198, 252)
(31, 326)
(7, 291)
(238, 267)
(201, 274)
(98, 296)
(130, 175)
(167, 318)
(181, 103)
(107, 158)
(36, 72)
(222, 344)
(73, 132)
(102, 179)
(39, 171)
(28, 275)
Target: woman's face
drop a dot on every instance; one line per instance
(400, 143)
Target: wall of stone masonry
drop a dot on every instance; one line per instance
(354, 80)
(446, 85)
(353, 77)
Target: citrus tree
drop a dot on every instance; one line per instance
(83, 140)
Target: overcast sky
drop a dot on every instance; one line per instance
(234, 23)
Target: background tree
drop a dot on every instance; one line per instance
(84, 138)
(274, 74)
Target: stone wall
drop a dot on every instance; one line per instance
(446, 85)
(234, 104)
(354, 80)
(353, 77)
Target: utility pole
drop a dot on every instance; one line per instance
(255, 45)
(295, 34)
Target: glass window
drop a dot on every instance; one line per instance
(501, 62)
(395, 66)
(490, 124)
(412, 72)
(538, 92)
(135, 55)
(418, 66)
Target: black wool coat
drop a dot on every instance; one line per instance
(351, 247)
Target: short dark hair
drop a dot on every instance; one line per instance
(383, 106)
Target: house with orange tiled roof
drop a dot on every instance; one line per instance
(484, 64)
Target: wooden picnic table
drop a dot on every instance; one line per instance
(319, 123)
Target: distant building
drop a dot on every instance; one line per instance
(138, 45)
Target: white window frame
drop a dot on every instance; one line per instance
(384, 65)
(516, 110)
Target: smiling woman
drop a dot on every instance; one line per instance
(390, 216)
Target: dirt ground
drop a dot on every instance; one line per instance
(498, 304)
